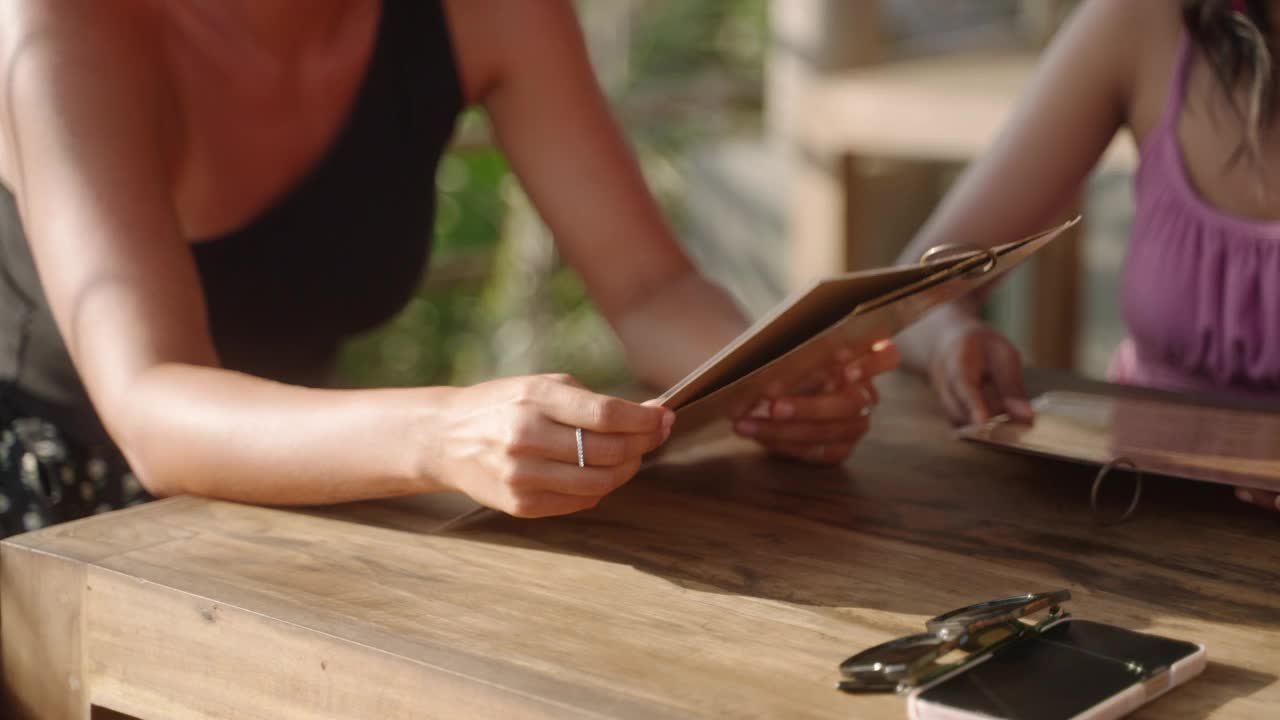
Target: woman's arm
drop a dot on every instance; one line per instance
(1072, 109)
(555, 127)
(87, 125)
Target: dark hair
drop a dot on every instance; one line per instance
(1233, 35)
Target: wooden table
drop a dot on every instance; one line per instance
(717, 584)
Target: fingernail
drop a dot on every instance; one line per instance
(783, 409)
(760, 411)
(853, 373)
(1247, 497)
(747, 428)
(666, 433)
(880, 346)
(668, 419)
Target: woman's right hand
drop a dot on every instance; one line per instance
(977, 374)
(510, 444)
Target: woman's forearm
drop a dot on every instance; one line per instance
(918, 341)
(677, 327)
(195, 430)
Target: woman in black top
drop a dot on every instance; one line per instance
(200, 200)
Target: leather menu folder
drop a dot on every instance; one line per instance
(1220, 445)
(852, 310)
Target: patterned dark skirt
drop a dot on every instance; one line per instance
(46, 479)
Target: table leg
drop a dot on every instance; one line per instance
(41, 597)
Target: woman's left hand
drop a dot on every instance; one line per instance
(822, 421)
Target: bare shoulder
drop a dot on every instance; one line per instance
(1132, 18)
(1149, 32)
(62, 61)
(493, 38)
(42, 25)
(476, 47)
(1129, 32)
(1152, 27)
(1126, 44)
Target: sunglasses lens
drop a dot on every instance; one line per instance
(883, 667)
(954, 639)
(995, 611)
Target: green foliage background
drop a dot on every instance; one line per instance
(449, 333)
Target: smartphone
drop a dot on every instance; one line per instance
(1074, 670)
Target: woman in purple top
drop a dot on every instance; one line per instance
(1193, 82)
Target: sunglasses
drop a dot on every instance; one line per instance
(954, 640)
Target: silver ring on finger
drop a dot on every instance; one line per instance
(868, 401)
(582, 458)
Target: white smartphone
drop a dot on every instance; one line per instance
(1073, 670)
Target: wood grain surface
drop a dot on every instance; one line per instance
(717, 584)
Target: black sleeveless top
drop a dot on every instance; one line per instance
(339, 252)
